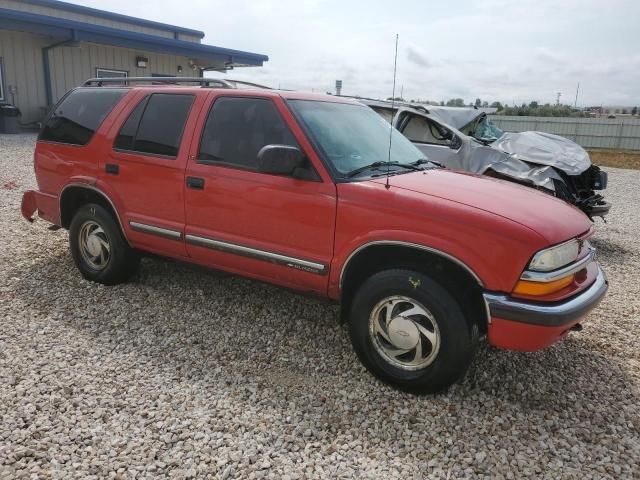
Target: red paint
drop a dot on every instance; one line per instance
(525, 337)
(493, 227)
(29, 205)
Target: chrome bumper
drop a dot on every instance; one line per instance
(552, 314)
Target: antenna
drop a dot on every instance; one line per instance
(393, 100)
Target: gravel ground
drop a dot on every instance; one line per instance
(185, 373)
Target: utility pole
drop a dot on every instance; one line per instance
(575, 104)
(558, 98)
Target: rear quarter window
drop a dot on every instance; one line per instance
(77, 117)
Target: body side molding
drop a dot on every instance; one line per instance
(292, 262)
(154, 230)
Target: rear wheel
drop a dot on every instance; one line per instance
(408, 330)
(99, 248)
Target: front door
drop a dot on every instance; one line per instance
(272, 227)
(145, 169)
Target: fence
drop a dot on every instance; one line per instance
(616, 133)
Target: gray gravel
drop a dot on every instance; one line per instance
(186, 373)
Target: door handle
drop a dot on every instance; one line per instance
(195, 182)
(112, 169)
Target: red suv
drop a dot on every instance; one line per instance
(314, 193)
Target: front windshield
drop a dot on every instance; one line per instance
(353, 136)
(487, 131)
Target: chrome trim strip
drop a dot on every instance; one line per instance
(153, 230)
(545, 277)
(410, 245)
(551, 314)
(97, 190)
(296, 263)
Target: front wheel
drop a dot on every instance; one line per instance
(409, 331)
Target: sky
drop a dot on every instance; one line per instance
(512, 51)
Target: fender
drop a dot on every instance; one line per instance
(469, 257)
(92, 186)
(410, 245)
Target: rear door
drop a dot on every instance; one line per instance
(274, 228)
(145, 167)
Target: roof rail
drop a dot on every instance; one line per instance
(203, 82)
(248, 84)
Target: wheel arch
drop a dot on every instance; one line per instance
(74, 195)
(378, 255)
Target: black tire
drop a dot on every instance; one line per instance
(457, 340)
(120, 262)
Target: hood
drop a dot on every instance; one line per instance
(553, 219)
(475, 157)
(545, 149)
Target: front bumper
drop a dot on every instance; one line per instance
(529, 326)
(599, 209)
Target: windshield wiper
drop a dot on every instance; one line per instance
(423, 161)
(377, 165)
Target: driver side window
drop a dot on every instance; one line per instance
(422, 130)
(237, 128)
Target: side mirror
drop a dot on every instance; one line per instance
(280, 159)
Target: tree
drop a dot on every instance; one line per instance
(455, 102)
(497, 105)
(485, 104)
(543, 111)
(533, 104)
(478, 103)
(634, 111)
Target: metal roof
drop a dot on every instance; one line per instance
(72, 7)
(87, 32)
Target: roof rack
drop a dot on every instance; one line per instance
(203, 82)
(243, 83)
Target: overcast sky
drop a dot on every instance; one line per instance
(506, 50)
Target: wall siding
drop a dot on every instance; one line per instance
(23, 71)
(55, 12)
(70, 67)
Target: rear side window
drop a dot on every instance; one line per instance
(80, 114)
(237, 128)
(156, 125)
(127, 135)
(419, 129)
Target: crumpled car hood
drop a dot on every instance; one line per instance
(545, 149)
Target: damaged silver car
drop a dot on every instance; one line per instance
(465, 139)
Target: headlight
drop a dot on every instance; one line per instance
(555, 257)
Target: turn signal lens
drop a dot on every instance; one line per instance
(524, 287)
